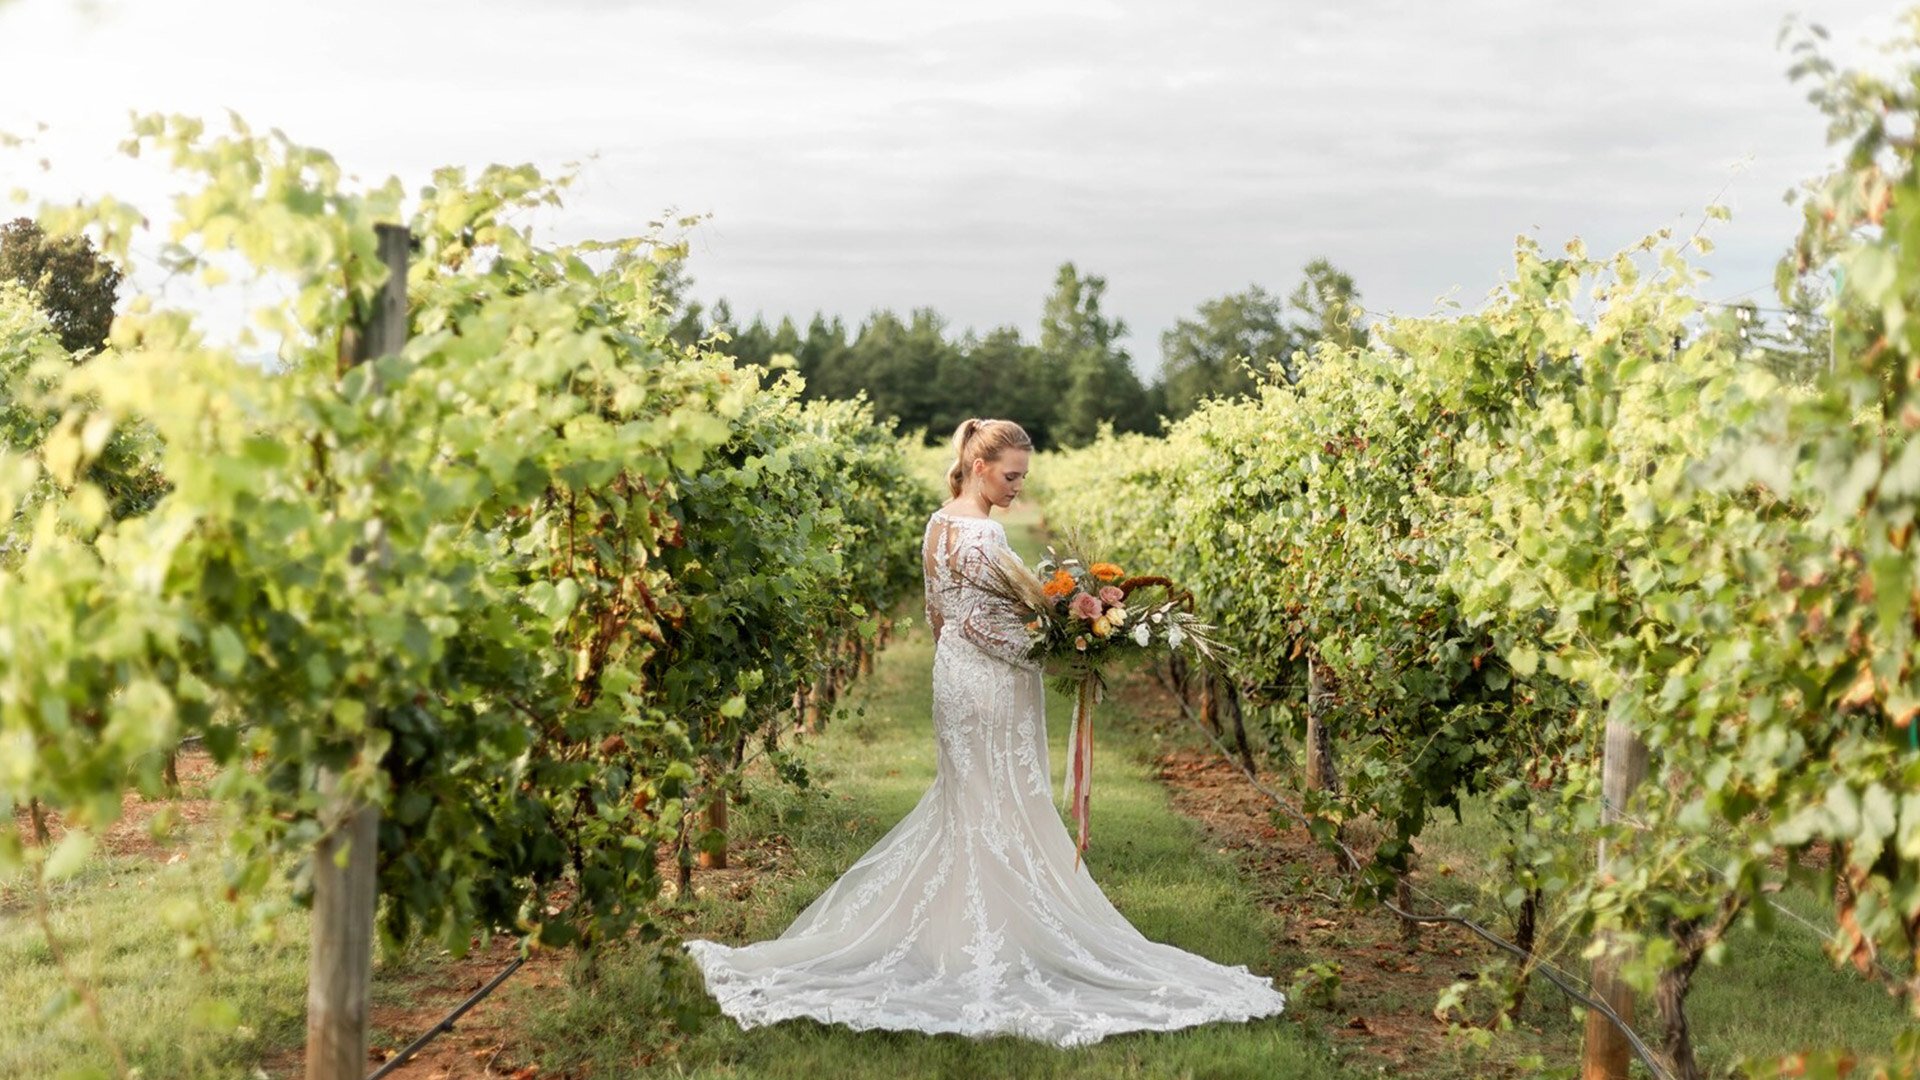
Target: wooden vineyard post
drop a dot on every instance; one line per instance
(716, 819)
(1320, 772)
(1177, 675)
(340, 966)
(812, 714)
(39, 819)
(1607, 1052)
(340, 969)
(1403, 899)
(826, 692)
(1235, 710)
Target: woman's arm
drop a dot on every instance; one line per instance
(988, 621)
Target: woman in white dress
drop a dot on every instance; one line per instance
(969, 915)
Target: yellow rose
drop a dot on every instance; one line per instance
(1117, 616)
(1101, 627)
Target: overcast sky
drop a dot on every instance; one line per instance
(860, 155)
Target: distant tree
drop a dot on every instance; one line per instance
(1077, 377)
(70, 281)
(1157, 407)
(720, 317)
(986, 377)
(1330, 305)
(1795, 344)
(753, 343)
(898, 364)
(928, 353)
(672, 292)
(1083, 368)
(786, 339)
(826, 359)
(126, 469)
(1204, 356)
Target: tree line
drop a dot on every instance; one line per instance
(1077, 377)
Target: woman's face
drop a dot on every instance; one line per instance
(1000, 480)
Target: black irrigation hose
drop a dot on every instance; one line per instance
(446, 1024)
(1640, 1048)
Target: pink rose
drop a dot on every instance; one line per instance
(1086, 607)
(1112, 594)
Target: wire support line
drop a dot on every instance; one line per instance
(1560, 979)
(446, 1023)
(1741, 306)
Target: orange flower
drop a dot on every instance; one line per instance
(1105, 571)
(1061, 585)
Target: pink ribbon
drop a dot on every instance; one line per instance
(1080, 761)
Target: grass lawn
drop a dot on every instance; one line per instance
(118, 925)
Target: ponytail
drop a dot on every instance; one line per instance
(962, 435)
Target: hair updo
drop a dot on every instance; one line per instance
(982, 440)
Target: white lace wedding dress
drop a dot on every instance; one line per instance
(969, 916)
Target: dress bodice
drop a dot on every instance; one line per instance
(957, 554)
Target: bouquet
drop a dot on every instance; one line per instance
(1082, 615)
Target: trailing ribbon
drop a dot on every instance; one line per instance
(1079, 778)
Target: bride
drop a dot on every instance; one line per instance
(969, 915)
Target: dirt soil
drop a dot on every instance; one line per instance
(134, 833)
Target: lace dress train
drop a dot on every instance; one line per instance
(968, 916)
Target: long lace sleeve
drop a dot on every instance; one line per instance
(936, 618)
(987, 621)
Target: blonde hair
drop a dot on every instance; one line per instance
(982, 440)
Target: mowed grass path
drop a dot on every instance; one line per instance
(871, 767)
